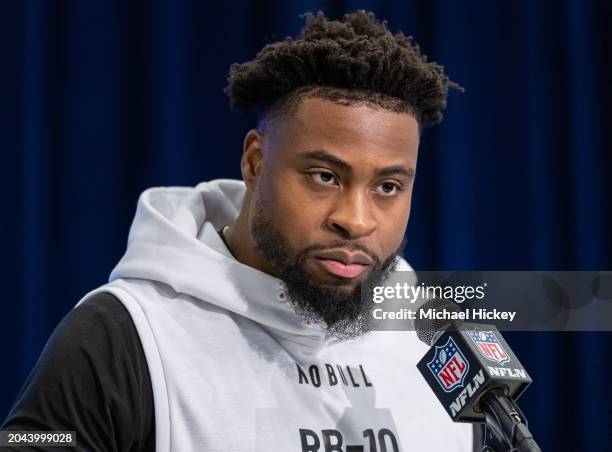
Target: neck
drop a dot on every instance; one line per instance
(239, 241)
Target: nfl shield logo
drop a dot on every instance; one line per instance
(449, 366)
(489, 346)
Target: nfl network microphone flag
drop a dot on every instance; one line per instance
(466, 362)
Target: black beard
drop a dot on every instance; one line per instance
(345, 314)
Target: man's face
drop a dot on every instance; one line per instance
(332, 200)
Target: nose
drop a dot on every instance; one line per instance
(352, 215)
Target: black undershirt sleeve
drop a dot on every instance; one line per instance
(92, 377)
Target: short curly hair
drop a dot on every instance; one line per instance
(353, 61)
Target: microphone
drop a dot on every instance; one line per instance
(474, 374)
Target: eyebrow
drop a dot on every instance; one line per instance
(324, 156)
(392, 170)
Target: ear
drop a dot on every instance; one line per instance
(252, 158)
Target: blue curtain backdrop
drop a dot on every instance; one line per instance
(102, 99)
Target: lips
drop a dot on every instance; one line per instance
(344, 264)
(342, 270)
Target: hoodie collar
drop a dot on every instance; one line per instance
(173, 240)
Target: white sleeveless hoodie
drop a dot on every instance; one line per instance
(233, 368)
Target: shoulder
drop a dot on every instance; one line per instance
(101, 314)
(91, 377)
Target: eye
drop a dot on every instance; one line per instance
(388, 189)
(323, 177)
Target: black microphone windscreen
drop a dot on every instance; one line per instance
(428, 327)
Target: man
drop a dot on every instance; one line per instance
(235, 321)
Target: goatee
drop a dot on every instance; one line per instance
(344, 313)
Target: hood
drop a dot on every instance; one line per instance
(173, 241)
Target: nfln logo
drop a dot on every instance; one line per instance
(489, 346)
(449, 366)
